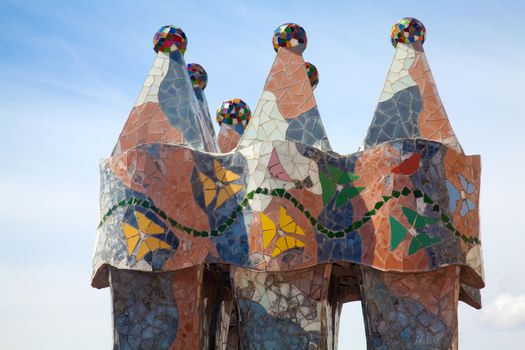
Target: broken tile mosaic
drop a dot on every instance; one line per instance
(313, 74)
(234, 112)
(198, 76)
(254, 239)
(289, 35)
(169, 39)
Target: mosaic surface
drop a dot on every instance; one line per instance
(313, 74)
(255, 239)
(289, 35)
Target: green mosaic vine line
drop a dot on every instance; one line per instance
(282, 193)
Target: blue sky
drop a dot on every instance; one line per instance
(71, 70)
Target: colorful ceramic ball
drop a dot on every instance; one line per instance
(289, 35)
(409, 31)
(234, 112)
(313, 74)
(198, 76)
(169, 39)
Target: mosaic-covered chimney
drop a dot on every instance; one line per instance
(260, 245)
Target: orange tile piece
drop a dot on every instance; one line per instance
(433, 121)
(437, 290)
(148, 124)
(288, 81)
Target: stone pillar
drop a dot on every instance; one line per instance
(410, 310)
(187, 309)
(286, 310)
(145, 315)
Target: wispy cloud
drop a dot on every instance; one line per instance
(507, 311)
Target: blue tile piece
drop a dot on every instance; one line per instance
(263, 331)
(308, 129)
(144, 310)
(396, 118)
(410, 324)
(453, 196)
(178, 102)
(232, 246)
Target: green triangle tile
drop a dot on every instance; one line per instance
(416, 220)
(328, 187)
(346, 178)
(335, 173)
(421, 241)
(410, 215)
(346, 194)
(397, 233)
(422, 221)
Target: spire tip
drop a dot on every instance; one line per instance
(169, 39)
(198, 76)
(408, 30)
(289, 35)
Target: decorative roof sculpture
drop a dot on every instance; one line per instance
(256, 239)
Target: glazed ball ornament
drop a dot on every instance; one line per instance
(170, 39)
(198, 76)
(408, 31)
(289, 35)
(234, 112)
(313, 74)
